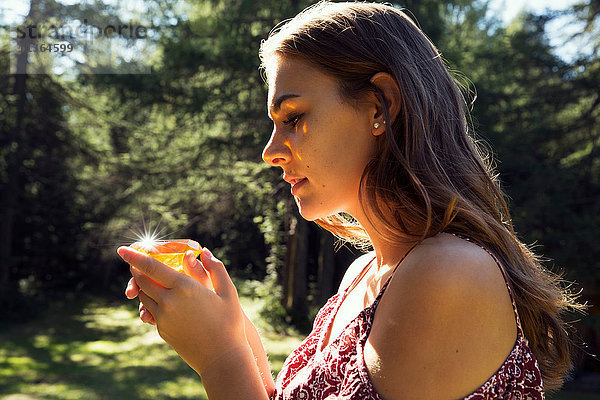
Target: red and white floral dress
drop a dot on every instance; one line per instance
(339, 371)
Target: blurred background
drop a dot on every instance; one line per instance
(119, 119)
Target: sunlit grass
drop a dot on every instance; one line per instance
(103, 351)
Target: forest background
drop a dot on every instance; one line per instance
(161, 130)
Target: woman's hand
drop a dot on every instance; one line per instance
(203, 322)
(191, 267)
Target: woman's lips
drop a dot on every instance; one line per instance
(297, 185)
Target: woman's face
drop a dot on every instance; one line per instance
(321, 143)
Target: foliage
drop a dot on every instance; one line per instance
(270, 225)
(545, 138)
(100, 155)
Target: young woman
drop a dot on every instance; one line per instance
(370, 131)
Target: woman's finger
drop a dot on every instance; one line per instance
(147, 285)
(149, 303)
(150, 267)
(219, 277)
(132, 289)
(145, 315)
(195, 269)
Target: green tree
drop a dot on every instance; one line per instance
(540, 114)
(45, 215)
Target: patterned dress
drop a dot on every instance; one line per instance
(339, 371)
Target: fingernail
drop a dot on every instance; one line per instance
(121, 251)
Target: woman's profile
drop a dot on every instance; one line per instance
(370, 131)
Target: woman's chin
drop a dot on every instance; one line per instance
(305, 212)
(309, 212)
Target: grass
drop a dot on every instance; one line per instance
(102, 351)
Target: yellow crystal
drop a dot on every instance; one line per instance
(168, 252)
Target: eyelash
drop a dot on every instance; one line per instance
(293, 120)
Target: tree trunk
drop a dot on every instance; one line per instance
(15, 140)
(294, 277)
(326, 268)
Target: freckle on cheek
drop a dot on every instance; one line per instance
(323, 185)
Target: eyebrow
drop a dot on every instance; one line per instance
(276, 105)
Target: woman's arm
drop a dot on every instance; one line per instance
(260, 356)
(234, 376)
(206, 327)
(195, 269)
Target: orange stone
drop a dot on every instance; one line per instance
(168, 252)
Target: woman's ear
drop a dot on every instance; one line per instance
(388, 88)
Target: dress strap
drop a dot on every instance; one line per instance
(358, 277)
(364, 271)
(385, 285)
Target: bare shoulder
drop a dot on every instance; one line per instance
(453, 263)
(354, 269)
(451, 270)
(445, 272)
(446, 318)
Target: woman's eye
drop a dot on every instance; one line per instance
(292, 120)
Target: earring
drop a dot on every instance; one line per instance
(376, 125)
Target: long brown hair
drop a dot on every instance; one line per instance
(429, 173)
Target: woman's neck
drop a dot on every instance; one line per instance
(388, 253)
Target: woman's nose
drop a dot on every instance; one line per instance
(277, 151)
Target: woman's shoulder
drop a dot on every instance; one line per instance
(449, 257)
(448, 271)
(355, 268)
(452, 253)
(447, 311)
